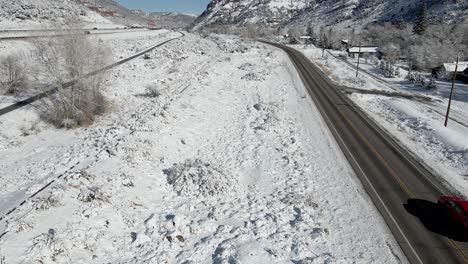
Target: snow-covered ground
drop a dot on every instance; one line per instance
(40, 14)
(231, 163)
(417, 125)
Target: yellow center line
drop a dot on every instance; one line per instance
(398, 179)
(458, 248)
(389, 168)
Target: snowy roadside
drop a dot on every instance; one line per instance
(230, 163)
(417, 125)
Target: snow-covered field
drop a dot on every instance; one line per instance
(231, 163)
(417, 125)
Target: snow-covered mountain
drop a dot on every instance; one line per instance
(25, 14)
(29, 14)
(116, 13)
(275, 13)
(167, 19)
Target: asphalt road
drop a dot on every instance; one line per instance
(402, 189)
(52, 33)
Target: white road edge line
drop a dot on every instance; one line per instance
(367, 179)
(373, 189)
(392, 143)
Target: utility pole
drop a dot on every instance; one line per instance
(358, 57)
(451, 93)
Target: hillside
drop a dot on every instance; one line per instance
(115, 12)
(167, 20)
(26, 14)
(30, 14)
(279, 13)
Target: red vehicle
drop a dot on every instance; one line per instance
(456, 208)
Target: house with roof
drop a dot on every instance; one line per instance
(463, 76)
(448, 69)
(344, 44)
(364, 51)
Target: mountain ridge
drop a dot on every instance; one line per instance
(344, 13)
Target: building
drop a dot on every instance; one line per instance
(463, 76)
(448, 69)
(344, 44)
(366, 51)
(304, 39)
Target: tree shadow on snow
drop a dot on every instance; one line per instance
(435, 219)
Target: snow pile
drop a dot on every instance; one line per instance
(47, 248)
(197, 178)
(266, 116)
(50, 200)
(92, 194)
(254, 72)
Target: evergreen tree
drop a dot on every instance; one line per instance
(311, 34)
(331, 37)
(401, 24)
(432, 84)
(309, 30)
(324, 41)
(420, 25)
(352, 37)
(322, 38)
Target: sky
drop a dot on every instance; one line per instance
(182, 6)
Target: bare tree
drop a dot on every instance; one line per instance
(69, 58)
(13, 77)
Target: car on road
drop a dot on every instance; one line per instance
(456, 208)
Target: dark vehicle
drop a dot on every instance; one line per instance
(456, 208)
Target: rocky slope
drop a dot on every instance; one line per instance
(116, 13)
(167, 20)
(25, 14)
(274, 13)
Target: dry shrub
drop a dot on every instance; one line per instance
(75, 106)
(153, 90)
(69, 58)
(13, 74)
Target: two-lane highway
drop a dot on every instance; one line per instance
(402, 189)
